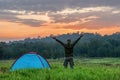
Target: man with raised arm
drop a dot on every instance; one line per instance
(68, 50)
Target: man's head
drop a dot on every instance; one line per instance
(68, 41)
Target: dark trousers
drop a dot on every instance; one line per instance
(70, 61)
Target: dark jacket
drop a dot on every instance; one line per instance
(68, 47)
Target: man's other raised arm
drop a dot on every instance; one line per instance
(74, 43)
(58, 41)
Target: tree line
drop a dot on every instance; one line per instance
(91, 45)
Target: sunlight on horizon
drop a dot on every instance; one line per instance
(17, 31)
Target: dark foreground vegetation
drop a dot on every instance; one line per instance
(91, 45)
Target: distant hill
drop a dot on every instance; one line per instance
(90, 45)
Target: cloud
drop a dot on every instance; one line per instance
(44, 18)
(96, 14)
(116, 12)
(84, 10)
(15, 11)
(75, 24)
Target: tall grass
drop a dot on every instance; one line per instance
(84, 69)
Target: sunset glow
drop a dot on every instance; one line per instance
(32, 20)
(18, 30)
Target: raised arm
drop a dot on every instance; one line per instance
(74, 43)
(58, 41)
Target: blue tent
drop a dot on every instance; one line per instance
(29, 61)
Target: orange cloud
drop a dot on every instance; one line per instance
(11, 30)
(18, 30)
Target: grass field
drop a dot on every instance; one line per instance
(85, 69)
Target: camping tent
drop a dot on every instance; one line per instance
(29, 61)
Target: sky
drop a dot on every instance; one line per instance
(21, 19)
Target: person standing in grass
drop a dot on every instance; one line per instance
(68, 47)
